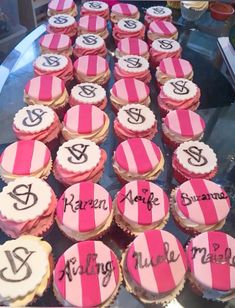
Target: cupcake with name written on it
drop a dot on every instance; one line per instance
(123, 10)
(98, 8)
(148, 260)
(199, 205)
(161, 29)
(132, 46)
(63, 24)
(84, 211)
(157, 13)
(140, 206)
(62, 7)
(56, 43)
(128, 27)
(89, 44)
(93, 24)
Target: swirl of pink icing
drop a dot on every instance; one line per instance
(157, 56)
(119, 73)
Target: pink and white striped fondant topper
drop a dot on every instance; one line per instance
(84, 119)
(176, 68)
(25, 157)
(132, 46)
(87, 274)
(130, 90)
(202, 201)
(162, 27)
(124, 9)
(92, 23)
(142, 202)
(84, 207)
(156, 261)
(91, 65)
(61, 5)
(55, 41)
(185, 123)
(211, 258)
(138, 155)
(44, 88)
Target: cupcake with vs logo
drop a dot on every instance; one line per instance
(128, 28)
(98, 8)
(89, 44)
(157, 13)
(62, 24)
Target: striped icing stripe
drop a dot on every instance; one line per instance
(138, 155)
(25, 157)
(125, 9)
(87, 282)
(186, 123)
(55, 41)
(176, 68)
(44, 88)
(84, 119)
(91, 65)
(92, 23)
(138, 211)
(60, 5)
(162, 27)
(133, 46)
(215, 275)
(151, 244)
(130, 90)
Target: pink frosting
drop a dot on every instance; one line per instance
(104, 13)
(157, 56)
(120, 73)
(176, 68)
(119, 34)
(71, 31)
(100, 51)
(125, 9)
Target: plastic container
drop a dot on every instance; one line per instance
(221, 11)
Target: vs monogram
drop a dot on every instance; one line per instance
(51, 61)
(95, 5)
(87, 91)
(130, 24)
(78, 152)
(60, 20)
(165, 44)
(23, 195)
(133, 62)
(196, 158)
(158, 10)
(135, 116)
(34, 118)
(89, 39)
(180, 87)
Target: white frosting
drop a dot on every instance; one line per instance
(165, 44)
(180, 89)
(88, 93)
(159, 11)
(197, 5)
(133, 64)
(22, 200)
(51, 62)
(86, 155)
(130, 25)
(136, 117)
(199, 158)
(31, 264)
(89, 41)
(34, 118)
(98, 6)
(61, 21)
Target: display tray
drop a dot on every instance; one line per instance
(216, 108)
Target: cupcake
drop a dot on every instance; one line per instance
(98, 8)
(123, 10)
(193, 10)
(62, 7)
(180, 126)
(93, 69)
(89, 44)
(55, 65)
(154, 267)
(211, 263)
(88, 93)
(79, 160)
(141, 206)
(87, 122)
(37, 123)
(135, 121)
(93, 25)
(173, 4)
(128, 27)
(132, 46)
(178, 93)
(161, 29)
(97, 281)
(49, 91)
(84, 211)
(56, 43)
(24, 209)
(199, 205)
(137, 159)
(26, 270)
(25, 158)
(194, 159)
(164, 48)
(129, 91)
(62, 24)
(132, 67)
(171, 68)
(156, 13)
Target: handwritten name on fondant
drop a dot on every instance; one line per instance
(188, 200)
(76, 204)
(147, 198)
(22, 194)
(168, 256)
(91, 267)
